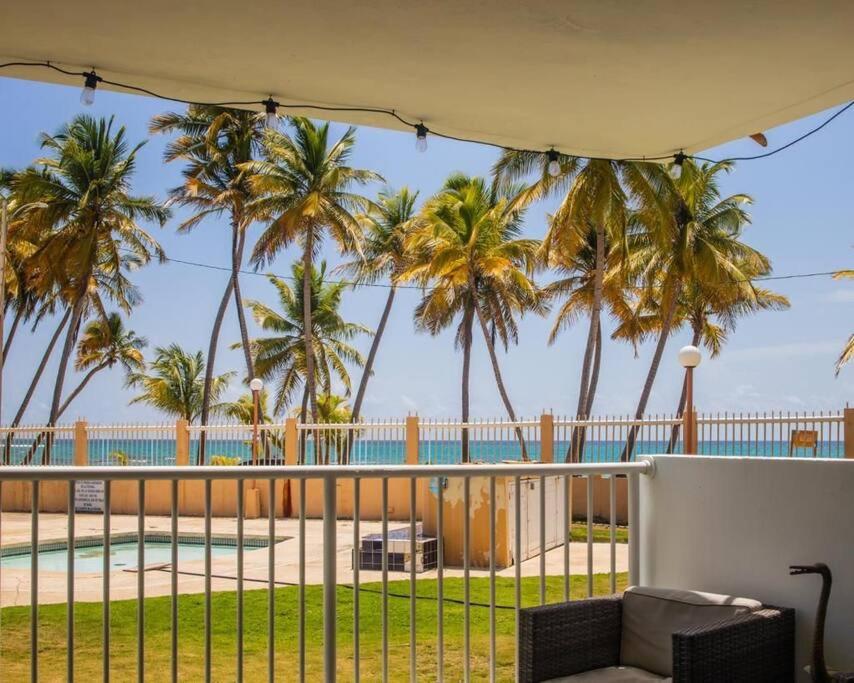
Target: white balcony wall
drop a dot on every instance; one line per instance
(734, 525)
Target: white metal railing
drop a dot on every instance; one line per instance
(771, 434)
(563, 475)
(487, 441)
(428, 441)
(37, 445)
(129, 444)
(369, 442)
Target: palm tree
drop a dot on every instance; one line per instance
(384, 256)
(597, 197)
(589, 283)
(215, 143)
(104, 344)
(306, 184)
(466, 247)
(174, 383)
(699, 241)
(847, 350)
(242, 411)
(84, 187)
(332, 409)
(281, 357)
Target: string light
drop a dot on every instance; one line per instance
(676, 167)
(554, 165)
(87, 95)
(271, 117)
(421, 137)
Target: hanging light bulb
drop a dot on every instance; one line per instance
(676, 167)
(87, 95)
(421, 137)
(554, 164)
(271, 118)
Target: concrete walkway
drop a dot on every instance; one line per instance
(15, 583)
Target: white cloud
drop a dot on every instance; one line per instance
(784, 351)
(841, 296)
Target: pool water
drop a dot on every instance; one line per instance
(123, 555)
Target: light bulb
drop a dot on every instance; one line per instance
(676, 167)
(271, 119)
(554, 164)
(421, 137)
(87, 95)
(256, 384)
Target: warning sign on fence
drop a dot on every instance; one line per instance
(89, 496)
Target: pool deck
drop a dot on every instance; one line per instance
(15, 583)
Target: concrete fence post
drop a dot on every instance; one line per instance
(182, 442)
(81, 443)
(547, 437)
(291, 441)
(848, 431)
(412, 440)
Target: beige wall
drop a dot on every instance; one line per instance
(734, 525)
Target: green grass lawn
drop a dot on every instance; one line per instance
(15, 641)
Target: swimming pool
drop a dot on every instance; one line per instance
(89, 553)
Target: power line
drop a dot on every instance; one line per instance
(387, 285)
(91, 80)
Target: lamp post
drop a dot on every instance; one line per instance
(255, 386)
(689, 358)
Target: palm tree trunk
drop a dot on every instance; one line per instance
(666, 324)
(468, 321)
(67, 349)
(80, 387)
(236, 263)
(209, 369)
(302, 434)
(310, 379)
(8, 342)
(34, 383)
(372, 354)
(576, 451)
(594, 373)
(674, 432)
(498, 379)
(591, 391)
(367, 371)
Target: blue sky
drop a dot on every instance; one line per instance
(803, 218)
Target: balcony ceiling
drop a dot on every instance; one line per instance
(607, 78)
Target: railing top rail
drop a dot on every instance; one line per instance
(320, 426)
(618, 422)
(479, 425)
(31, 429)
(768, 419)
(135, 427)
(170, 473)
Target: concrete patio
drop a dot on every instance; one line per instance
(15, 583)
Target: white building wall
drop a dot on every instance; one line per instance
(734, 525)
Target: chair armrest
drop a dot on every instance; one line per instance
(565, 639)
(754, 648)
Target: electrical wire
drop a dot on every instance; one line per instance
(387, 285)
(392, 113)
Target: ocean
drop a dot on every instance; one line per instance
(387, 452)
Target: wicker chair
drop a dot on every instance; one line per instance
(562, 641)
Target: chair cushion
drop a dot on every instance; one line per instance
(652, 615)
(612, 674)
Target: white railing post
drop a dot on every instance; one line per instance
(633, 527)
(329, 577)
